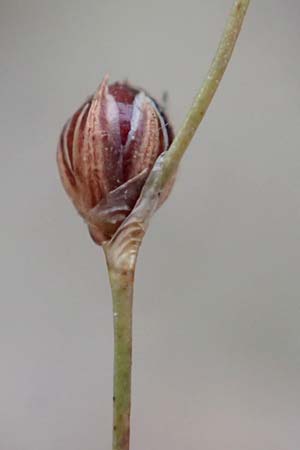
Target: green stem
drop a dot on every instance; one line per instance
(122, 293)
(206, 93)
(121, 251)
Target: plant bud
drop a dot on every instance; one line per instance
(106, 151)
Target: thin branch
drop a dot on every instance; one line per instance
(122, 283)
(121, 251)
(205, 95)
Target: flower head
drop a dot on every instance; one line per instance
(106, 151)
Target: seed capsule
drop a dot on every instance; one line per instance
(106, 151)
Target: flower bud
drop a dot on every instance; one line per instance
(106, 151)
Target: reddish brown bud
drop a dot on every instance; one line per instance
(106, 151)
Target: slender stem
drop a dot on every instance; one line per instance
(121, 251)
(205, 95)
(121, 282)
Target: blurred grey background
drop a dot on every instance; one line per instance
(217, 311)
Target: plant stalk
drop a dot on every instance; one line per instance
(121, 251)
(206, 92)
(121, 282)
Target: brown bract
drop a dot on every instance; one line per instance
(106, 151)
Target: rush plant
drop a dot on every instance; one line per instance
(118, 159)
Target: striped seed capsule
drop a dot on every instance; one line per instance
(106, 151)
